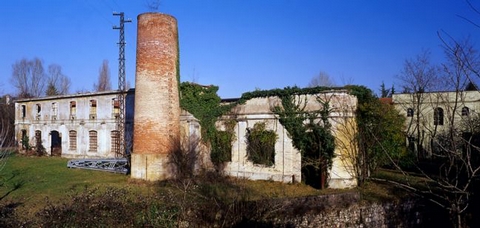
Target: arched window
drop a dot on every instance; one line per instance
(465, 111)
(92, 145)
(438, 116)
(409, 112)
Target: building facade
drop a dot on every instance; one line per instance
(85, 126)
(430, 114)
(287, 162)
(73, 126)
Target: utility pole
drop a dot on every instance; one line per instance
(121, 87)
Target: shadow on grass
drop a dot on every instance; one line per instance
(15, 186)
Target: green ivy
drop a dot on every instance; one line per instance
(204, 103)
(380, 131)
(261, 145)
(313, 138)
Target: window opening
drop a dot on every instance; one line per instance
(410, 112)
(115, 140)
(93, 109)
(438, 116)
(72, 135)
(465, 111)
(24, 111)
(73, 109)
(93, 141)
(54, 110)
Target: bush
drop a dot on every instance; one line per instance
(261, 145)
(110, 208)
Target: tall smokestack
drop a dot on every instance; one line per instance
(157, 109)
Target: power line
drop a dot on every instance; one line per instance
(98, 11)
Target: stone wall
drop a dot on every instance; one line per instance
(346, 210)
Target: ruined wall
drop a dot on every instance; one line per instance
(157, 109)
(287, 161)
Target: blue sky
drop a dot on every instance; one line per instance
(239, 45)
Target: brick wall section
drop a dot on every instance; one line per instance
(157, 109)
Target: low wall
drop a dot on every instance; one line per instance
(346, 210)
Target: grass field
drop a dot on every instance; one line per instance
(30, 180)
(36, 183)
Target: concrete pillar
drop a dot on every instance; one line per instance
(157, 109)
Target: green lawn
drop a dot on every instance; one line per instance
(30, 181)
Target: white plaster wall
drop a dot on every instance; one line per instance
(104, 122)
(287, 165)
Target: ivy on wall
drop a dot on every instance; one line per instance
(261, 144)
(204, 103)
(314, 139)
(311, 135)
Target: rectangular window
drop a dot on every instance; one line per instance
(72, 135)
(73, 109)
(93, 109)
(38, 138)
(24, 111)
(38, 111)
(92, 146)
(54, 110)
(438, 116)
(115, 138)
(116, 108)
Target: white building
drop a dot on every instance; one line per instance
(74, 126)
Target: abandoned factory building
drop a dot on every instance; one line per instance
(85, 126)
(73, 126)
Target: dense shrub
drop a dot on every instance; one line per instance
(261, 145)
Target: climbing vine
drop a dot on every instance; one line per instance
(310, 132)
(261, 145)
(204, 103)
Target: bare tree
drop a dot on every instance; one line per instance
(103, 83)
(417, 77)
(7, 131)
(322, 79)
(453, 137)
(58, 83)
(28, 77)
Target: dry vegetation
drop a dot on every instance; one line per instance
(41, 191)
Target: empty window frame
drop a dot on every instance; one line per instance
(438, 116)
(410, 112)
(465, 111)
(54, 110)
(92, 145)
(38, 110)
(24, 139)
(72, 136)
(116, 108)
(24, 111)
(73, 109)
(93, 109)
(38, 138)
